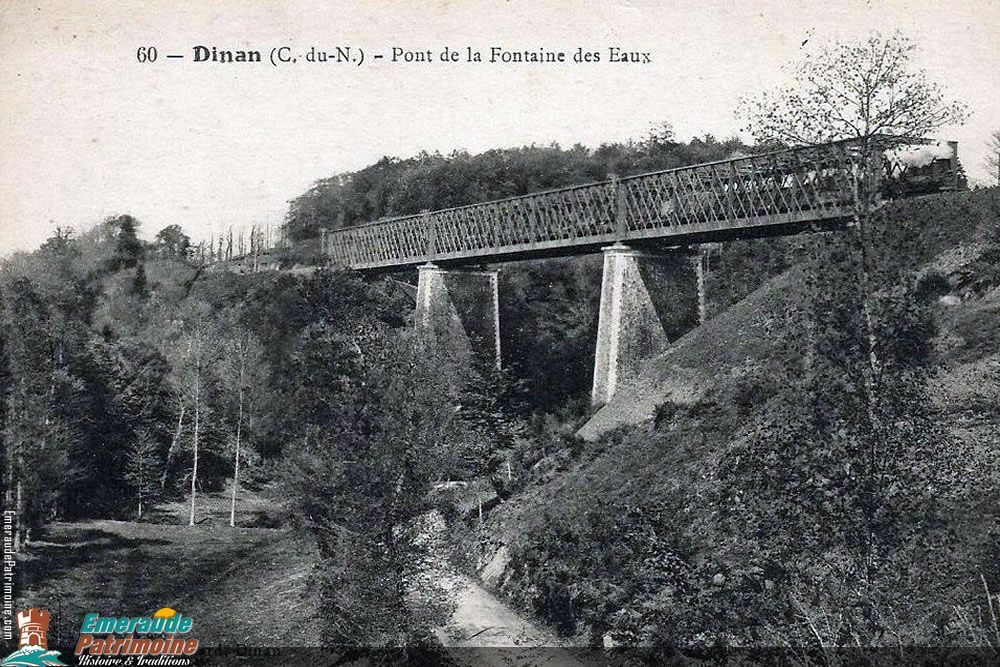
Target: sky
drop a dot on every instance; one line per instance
(87, 131)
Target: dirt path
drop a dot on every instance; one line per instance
(248, 585)
(480, 619)
(483, 630)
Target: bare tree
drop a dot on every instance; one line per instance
(862, 90)
(852, 90)
(141, 465)
(242, 369)
(858, 90)
(174, 443)
(195, 351)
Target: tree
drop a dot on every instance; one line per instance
(141, 469)
(852, 90)
(243, 373)
(375, 411)
(837, 495)
(171, 241)
(128, 248)
(552, 303)
(37, 439)
(140, 286)
(993, 154)
(194, 355)
(842, 467)
(123, 399)
(861, 90)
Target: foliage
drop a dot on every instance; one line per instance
(37, 442)
(786, 508)
(171, 241)
(803, 499)
(549, 314)
(142, 471)
(548, 307)
(737, 268)
(395, 186)
(370, 439)
(861, 486)
(128, 248)
(124, 399)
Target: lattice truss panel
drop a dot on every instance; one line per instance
(799, 185)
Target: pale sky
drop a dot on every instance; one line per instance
(87, 132)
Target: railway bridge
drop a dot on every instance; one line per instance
(637, 223)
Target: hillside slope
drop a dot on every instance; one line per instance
(727, 345)
(605, 537)
(943, 234)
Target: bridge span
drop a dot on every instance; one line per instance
(636, 221)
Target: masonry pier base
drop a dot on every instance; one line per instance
(460, 308)
(643, 306)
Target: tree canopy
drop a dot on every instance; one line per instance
(855, 89)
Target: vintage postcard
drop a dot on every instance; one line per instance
(499, 332)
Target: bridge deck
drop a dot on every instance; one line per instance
(758, 195)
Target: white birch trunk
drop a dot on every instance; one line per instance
(173, 447)
(236, 466)
(197, 414)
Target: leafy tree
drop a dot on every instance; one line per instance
(488, 403)
(36, 439)
(171, 241)
(826, 476)
(128, 248)
(376, 412)
(127, 400)
(841, 468)
(283, 308)
(140, 286)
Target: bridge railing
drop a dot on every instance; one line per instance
(799, 185)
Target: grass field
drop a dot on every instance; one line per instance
(244, 585)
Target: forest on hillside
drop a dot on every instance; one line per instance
(825, 475)
(431, 181)
(134, 376)
(552, 302)
(120, 354)
(791, 499)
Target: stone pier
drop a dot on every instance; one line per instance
(461, 308)
(647, 300)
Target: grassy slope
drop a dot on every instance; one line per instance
(943, 231)
(726, 346)
(241, 586)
